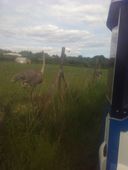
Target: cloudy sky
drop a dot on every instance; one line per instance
(79, 25)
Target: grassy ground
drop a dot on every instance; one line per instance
(53, 130)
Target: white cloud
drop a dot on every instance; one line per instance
(49, 33)
(79, 12)
(75, 8)
(51, 24)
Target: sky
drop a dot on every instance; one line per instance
(36, 25)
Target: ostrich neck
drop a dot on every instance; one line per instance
(43, 65)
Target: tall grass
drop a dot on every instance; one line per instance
(53, 132)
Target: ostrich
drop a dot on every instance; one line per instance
(31, 77)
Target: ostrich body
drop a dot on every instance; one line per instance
(31, 77)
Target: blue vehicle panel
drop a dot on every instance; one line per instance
(116, 127)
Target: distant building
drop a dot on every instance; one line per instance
(13, 54)
(17, 58)
(23, 60)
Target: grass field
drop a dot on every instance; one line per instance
(53, 130)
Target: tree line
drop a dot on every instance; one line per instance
(80, 60)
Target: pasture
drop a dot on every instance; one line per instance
(53, 129)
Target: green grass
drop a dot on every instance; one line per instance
(56, 131)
